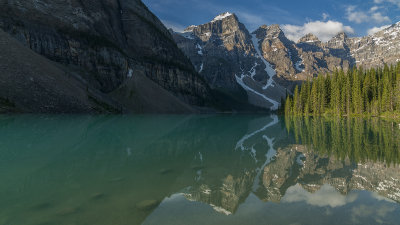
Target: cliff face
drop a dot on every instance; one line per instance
(224, 53)
(377, 49)
(219, 49)
(31, 83)
(107, 43)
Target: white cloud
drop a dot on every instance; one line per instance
(252, 21)
(376, 29)
(326, 196)
(374, 9)
(323, 30)
(325, 16)
(396, 2)
(357, 16)
(379, 18)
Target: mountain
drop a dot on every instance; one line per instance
(117, 49)
(266, 64)
(377, 49)
(224, 53)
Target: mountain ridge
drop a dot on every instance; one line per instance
(288, 63)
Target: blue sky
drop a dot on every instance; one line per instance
(321, 17)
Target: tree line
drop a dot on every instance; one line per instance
(357, 91)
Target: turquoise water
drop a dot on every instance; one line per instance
(208, 169)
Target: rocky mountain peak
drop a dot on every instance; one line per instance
(341, 36)
(275, 31)
(272, 31)
(309, 38)
(339, 41)
(224, 16)
(275, 27)
(390, 29)
(222, 25)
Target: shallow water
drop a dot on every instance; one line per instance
(210, 169)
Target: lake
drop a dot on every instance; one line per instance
(198, 169)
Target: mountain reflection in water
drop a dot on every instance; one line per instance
(198, 169)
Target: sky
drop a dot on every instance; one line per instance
(324, 18)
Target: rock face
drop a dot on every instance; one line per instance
(310, 57)
(224, 53)
(229, 57)
(377, 49)
(107, 44)
(47, 88)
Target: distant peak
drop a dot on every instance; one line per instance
(272, 29)
(340, 35)
(222, 16)
(275, 27)
(309, 38)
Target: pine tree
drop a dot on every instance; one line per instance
(288, 106)
(397, 91)
(347, 91)
(314, 97)
(296, 102)
(386, 102)
(356, 93)
(335, 96)
(303, 98)
(359, 91)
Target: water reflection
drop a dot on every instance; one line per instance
(355, 138)
(213, 169)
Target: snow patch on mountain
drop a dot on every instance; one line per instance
(240, 81)
(200, 49)
(253, 70)
(130, 73)
(268, 67)
(222, 16)
(201, 67)
(299, 65)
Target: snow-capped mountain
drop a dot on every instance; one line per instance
(266, 64)
(225, 54)
(377, 49)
